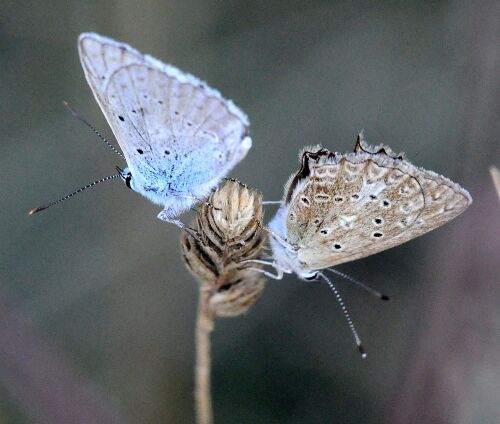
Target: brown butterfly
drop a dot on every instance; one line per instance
(342, 207)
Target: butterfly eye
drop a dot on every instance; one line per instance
(378, 221)
(337, 246)
(128, 179)
(386, 203)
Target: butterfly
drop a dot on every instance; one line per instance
(178, 136)
(342, 207)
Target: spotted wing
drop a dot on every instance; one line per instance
(159, 114)
(352, 206)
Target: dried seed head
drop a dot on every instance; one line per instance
(229, 234)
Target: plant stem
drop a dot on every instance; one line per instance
(204, 327)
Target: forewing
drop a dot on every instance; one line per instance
(158, 113)
(359, 204)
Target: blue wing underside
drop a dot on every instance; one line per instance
(175, 142)
(179, 136)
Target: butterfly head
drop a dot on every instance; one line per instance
(312, 276)
(126, 177)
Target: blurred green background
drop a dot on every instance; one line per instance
(96, 309)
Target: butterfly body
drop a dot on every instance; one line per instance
(178, 136)
(342, 207)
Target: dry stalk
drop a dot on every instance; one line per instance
(229, 233)
(495, 176)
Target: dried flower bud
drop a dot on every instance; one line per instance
(229, 234)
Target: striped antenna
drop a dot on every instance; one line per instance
(346, 314)
(373, 292)
(97, 133)
(41, 208)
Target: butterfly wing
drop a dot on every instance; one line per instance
(351, 206)
(163, 118)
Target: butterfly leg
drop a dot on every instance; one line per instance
(261, 261)
(280, 239)
(164, 215)
(279, 270)
(277, 276)
(198, 200)
(176, 222)
(272, 202)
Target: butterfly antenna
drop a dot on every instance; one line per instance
(346, 315)
(41, 208)
(374, 292)
(97, 133)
